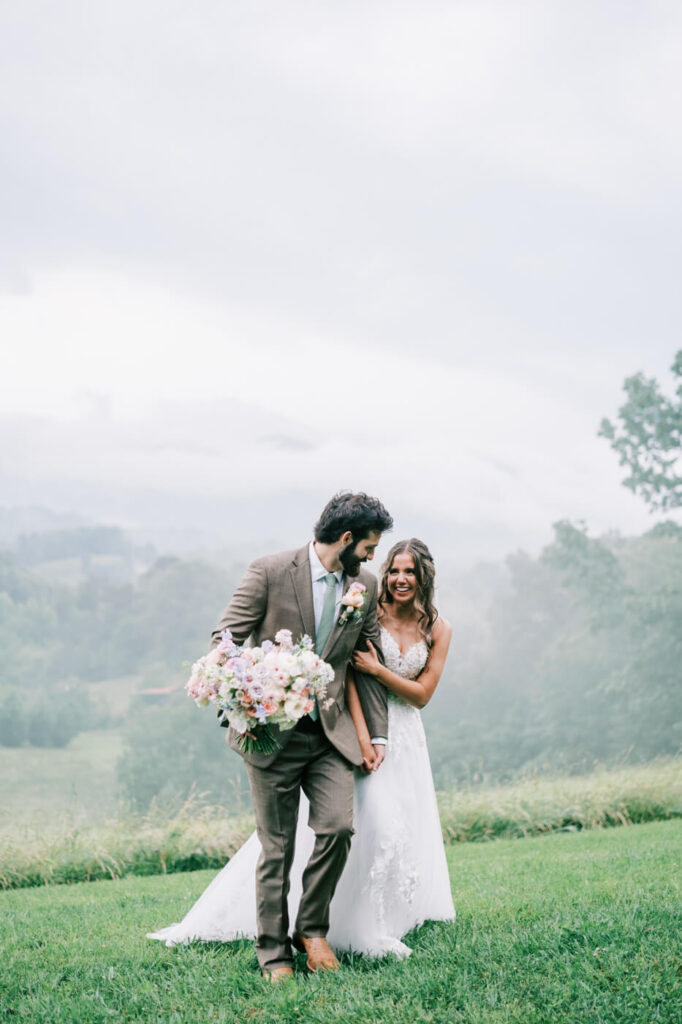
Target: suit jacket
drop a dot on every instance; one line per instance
(276, 593)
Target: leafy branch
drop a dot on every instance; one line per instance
(648, 439)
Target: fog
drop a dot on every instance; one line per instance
(249, 252)
(254, 254)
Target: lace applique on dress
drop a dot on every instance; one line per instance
(408, 665)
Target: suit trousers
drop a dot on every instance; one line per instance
(308, 762)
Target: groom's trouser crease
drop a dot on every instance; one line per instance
(309, 762)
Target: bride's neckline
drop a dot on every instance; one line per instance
(410, 648)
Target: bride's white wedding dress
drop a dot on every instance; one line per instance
(396, 875)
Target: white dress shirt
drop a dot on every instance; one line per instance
(318, 573)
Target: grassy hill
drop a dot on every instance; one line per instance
(581, 928)
(45, 784)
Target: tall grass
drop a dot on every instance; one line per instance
(198, 836)
(535, 806)
(194, 837)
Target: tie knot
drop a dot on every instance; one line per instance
(330, 579)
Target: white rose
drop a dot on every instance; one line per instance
(238, 721)
(309, 661)
(294, 706)
(287, 663)
(284, 638)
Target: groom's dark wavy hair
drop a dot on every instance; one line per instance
(358, 513)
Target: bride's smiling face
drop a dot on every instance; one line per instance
(401, 579)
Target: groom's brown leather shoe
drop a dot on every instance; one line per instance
(320, 955)
(279, 974)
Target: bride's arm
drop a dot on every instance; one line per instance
(359, 721)
(419, 691)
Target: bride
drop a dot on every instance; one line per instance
(396, 874)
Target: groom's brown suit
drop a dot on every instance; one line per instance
(276, 593)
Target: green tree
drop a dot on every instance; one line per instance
(173, 610)
(175, 749)
(648, 439)
(61, 713)
(582, 662)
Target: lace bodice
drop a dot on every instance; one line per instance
(407, 665)
(405, 726)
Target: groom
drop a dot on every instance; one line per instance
(302, 591)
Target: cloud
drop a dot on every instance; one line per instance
(457, 174)
(479, 454)
(412, 249)
(283, 442)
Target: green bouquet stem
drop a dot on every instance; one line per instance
(260, 740)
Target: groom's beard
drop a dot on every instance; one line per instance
(350, 561)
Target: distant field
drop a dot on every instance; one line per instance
(49, 784)
(560, 929)
(115, 693)
(78, 780)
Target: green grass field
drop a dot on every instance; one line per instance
(581, 928)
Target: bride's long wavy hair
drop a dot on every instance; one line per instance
(425, 574)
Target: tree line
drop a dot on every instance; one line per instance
(577, 659)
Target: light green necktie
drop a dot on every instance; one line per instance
(327, 618)
(326, 623)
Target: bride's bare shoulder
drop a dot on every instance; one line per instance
(442, 630)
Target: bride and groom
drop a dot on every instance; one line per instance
(363, 862)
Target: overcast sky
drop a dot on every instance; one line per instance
(264, 249)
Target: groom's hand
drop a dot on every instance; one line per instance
(368, 755)
(379, 755)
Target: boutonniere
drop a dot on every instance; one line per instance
(353, 602)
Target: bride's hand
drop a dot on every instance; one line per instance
(367, 661)
(368, 757)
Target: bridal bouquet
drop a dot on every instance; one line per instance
(255, 687)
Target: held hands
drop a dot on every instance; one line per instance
(367, 661)
(372, 756)
(379, 755)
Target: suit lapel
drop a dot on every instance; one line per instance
(303, 588)
(337, 628)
